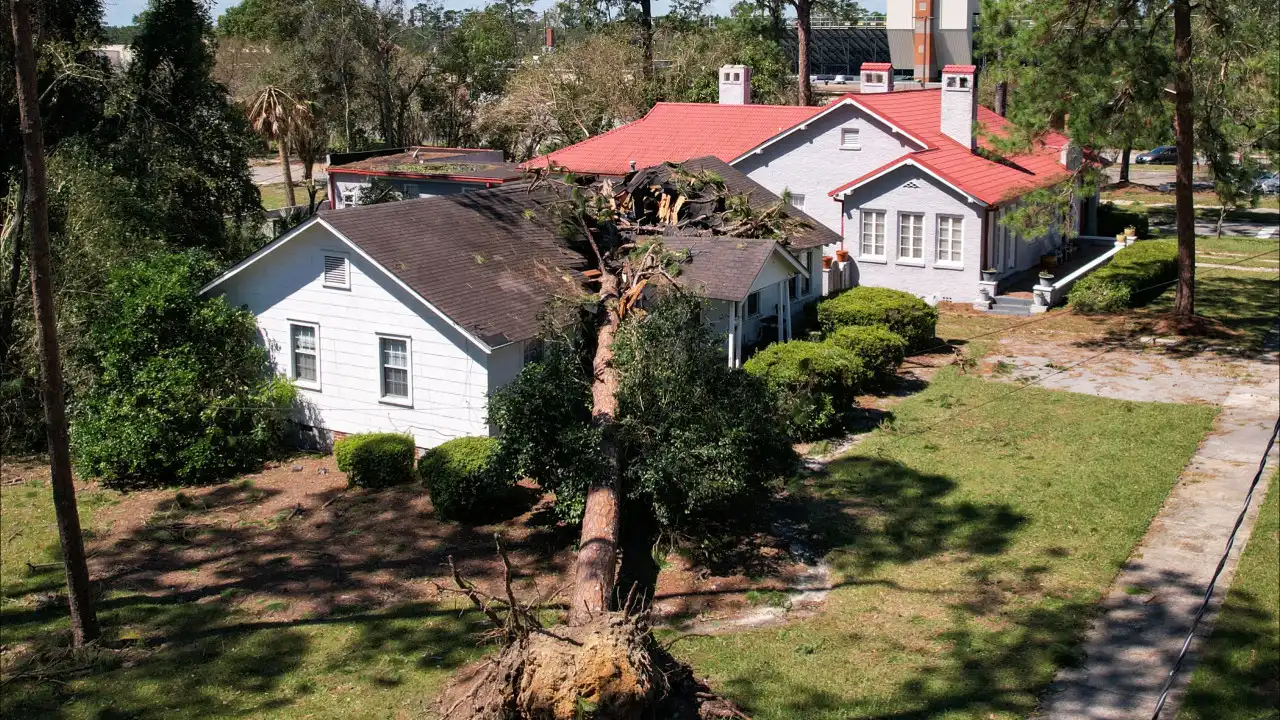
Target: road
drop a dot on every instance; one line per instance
(269, 174)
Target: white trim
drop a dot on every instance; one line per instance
(904, 162)
(292, 374)
(883, 256)
(235, 269)
(957, 225)
(804, 124)
(383, 398)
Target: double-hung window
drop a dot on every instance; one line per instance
(304, 354)
(753, 304)
(911, 236)
(796, 200)
(872, 241)
(950, 240)
(394, 362)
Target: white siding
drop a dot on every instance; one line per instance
(450, 381)
(810, 161)
(932, 198)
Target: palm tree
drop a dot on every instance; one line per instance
(277, 116)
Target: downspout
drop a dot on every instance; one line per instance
(333, 187)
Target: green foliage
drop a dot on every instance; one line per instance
(375, 460)
(814, 384)
(378, 191)
(901, 312)
(880, 350)
(543, 418)
(464, 479)
(1112, 221)
(181, 391)
(697, 438)
(1135, 276)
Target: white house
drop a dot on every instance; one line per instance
(912, 188)
(406, 316)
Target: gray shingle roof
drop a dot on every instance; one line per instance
(722, 268)
(475, 256)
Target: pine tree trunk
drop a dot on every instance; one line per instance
(84, 623)
(804, 12)
(7, 312)
(646, 37)
(596, 566)
(1124, 163)
(1184, 134)
(1002, 98)
(287, 172)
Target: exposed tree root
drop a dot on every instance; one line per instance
(608, 668)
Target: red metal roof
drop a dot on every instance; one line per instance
(992, 181)
(679, 131)
(676, 132)
(960, 68)
(877, 66)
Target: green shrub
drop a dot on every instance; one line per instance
(375, 460)
(1113, 220)
(463, 479)
(1135, 276)
(814, 382)
(880, 350)
(178, 390)
(901, 312)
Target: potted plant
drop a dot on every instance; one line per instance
(989, 274)
(842, 255)
(1131, 231)
(826, 262)
(1046, 278)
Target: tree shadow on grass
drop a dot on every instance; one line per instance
(1240, 667)
(873, 511)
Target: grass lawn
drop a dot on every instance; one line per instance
(1238, 251)
(210, 656)
(273, 195)
(1238, 677)
(1151, 196)
(969, 554)
(1245, 302)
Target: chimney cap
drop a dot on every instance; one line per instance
(876, 66)
(970, 69)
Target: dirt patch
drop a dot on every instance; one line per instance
(293, 541)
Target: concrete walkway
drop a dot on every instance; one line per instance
(1145, 617)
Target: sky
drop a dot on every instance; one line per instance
(121, 12)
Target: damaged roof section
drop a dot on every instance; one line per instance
(430, 163)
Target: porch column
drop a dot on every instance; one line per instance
(787, 314)
(732, 335)
(737, 340)
(782, 299)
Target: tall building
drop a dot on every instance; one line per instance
(927, 35)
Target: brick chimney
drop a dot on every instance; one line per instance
(735, 85)
(877, 77)
(960, 103)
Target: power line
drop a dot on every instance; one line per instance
(1222, 562)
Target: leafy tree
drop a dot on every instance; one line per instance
(183, 392)
(378, 191)
(804, 15)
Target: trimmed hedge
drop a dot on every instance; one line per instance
(1113, 220)
(375, 460)
(463, 478)
(880, 350)
(901, 312)
(814, 383)
(1135, 276)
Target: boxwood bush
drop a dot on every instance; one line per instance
(901, 312)
(463, 478)
(1135, 276)
(814, 383)
(375, 460)
(1113, 220)
(881, 350)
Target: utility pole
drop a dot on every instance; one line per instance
(84, 623)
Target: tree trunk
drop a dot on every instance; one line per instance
(1002, 98)
(646, 37)
(287, 172)
(1184, 133)
(804, 11)
(84, 623)
(1124, 163)
(10, 298)
(596, 566)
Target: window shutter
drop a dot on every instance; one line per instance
(335, 271)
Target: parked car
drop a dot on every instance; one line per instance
(1163, 155)
(1196, 186)
(1268, 184)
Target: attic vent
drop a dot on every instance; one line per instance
(336, 273)
(912, 185)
